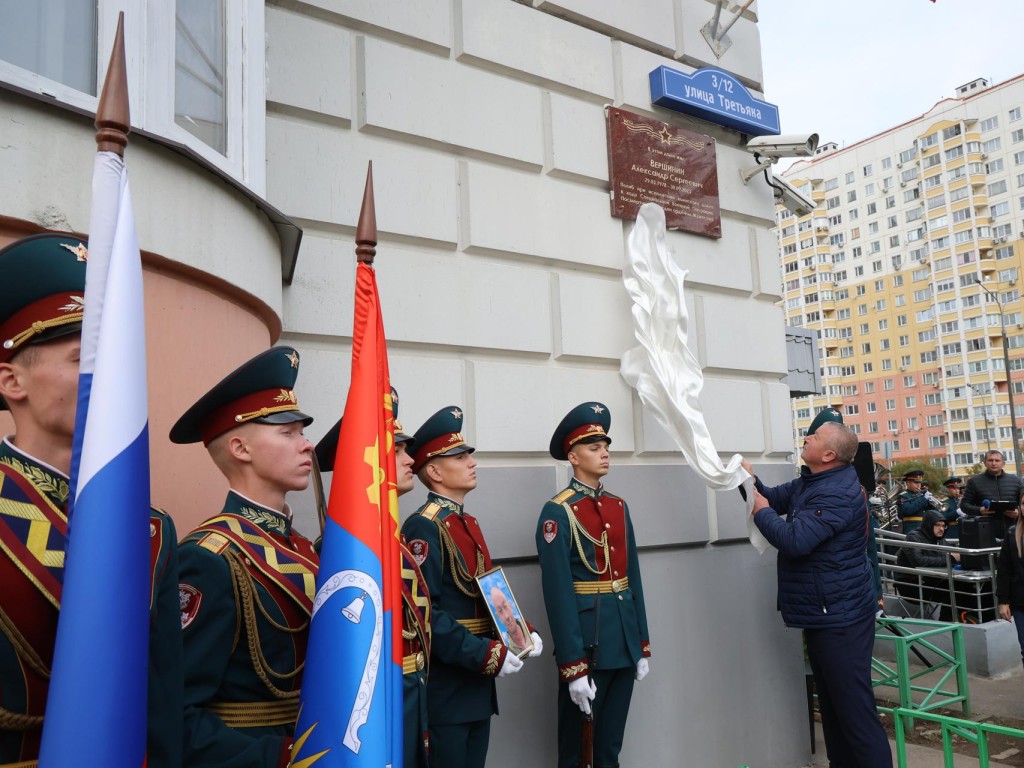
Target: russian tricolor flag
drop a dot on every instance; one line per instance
(96, 709)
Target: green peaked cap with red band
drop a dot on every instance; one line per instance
(440, 435)
(260, 390)
(586, 423)
(42, 290)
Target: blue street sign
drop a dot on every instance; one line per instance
(715, 96)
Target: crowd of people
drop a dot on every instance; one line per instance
(993, 496)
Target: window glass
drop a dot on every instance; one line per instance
(200, 103)
(192, 79)
(53, 38)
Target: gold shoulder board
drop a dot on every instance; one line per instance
(214, 542)
(430, 511)
(563, 496)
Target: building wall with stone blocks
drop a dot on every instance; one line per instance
(500, 273)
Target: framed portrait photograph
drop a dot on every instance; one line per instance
(505, 613)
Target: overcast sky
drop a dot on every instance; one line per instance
(848, 69)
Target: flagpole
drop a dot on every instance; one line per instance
(113, 124)
(366, 251)
(113, 114)
(366, 228)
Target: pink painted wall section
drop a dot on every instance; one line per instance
(197, 331)
(195, 336)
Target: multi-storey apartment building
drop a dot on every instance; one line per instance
(909, 269)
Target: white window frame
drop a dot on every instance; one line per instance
(149, 53)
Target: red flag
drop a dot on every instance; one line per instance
(353, 680)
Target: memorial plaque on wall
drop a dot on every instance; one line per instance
(652, 162)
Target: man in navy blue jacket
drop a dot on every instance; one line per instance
(819, 525)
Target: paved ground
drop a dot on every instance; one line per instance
(917, 757)
(999, 699)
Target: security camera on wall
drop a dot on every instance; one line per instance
(789, 145)
(768, 149)
(790, 197)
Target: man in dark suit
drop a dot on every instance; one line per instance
(994, 484)
(819, 524)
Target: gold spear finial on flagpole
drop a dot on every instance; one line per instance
(113, 120)
(366, 229)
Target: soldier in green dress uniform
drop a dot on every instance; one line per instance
(912, 503)
(590, 574)
(42, 284)
(954, 491)
(247, 578)
(449, 547)
(415, 603)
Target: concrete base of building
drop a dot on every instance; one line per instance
(992, 649)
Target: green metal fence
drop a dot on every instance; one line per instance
(942, 680)
(976, 733)
(938, 681)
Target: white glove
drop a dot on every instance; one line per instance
(928, 495)
(582, 692)
(538, 646)
(510, 665)
(642, 668)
